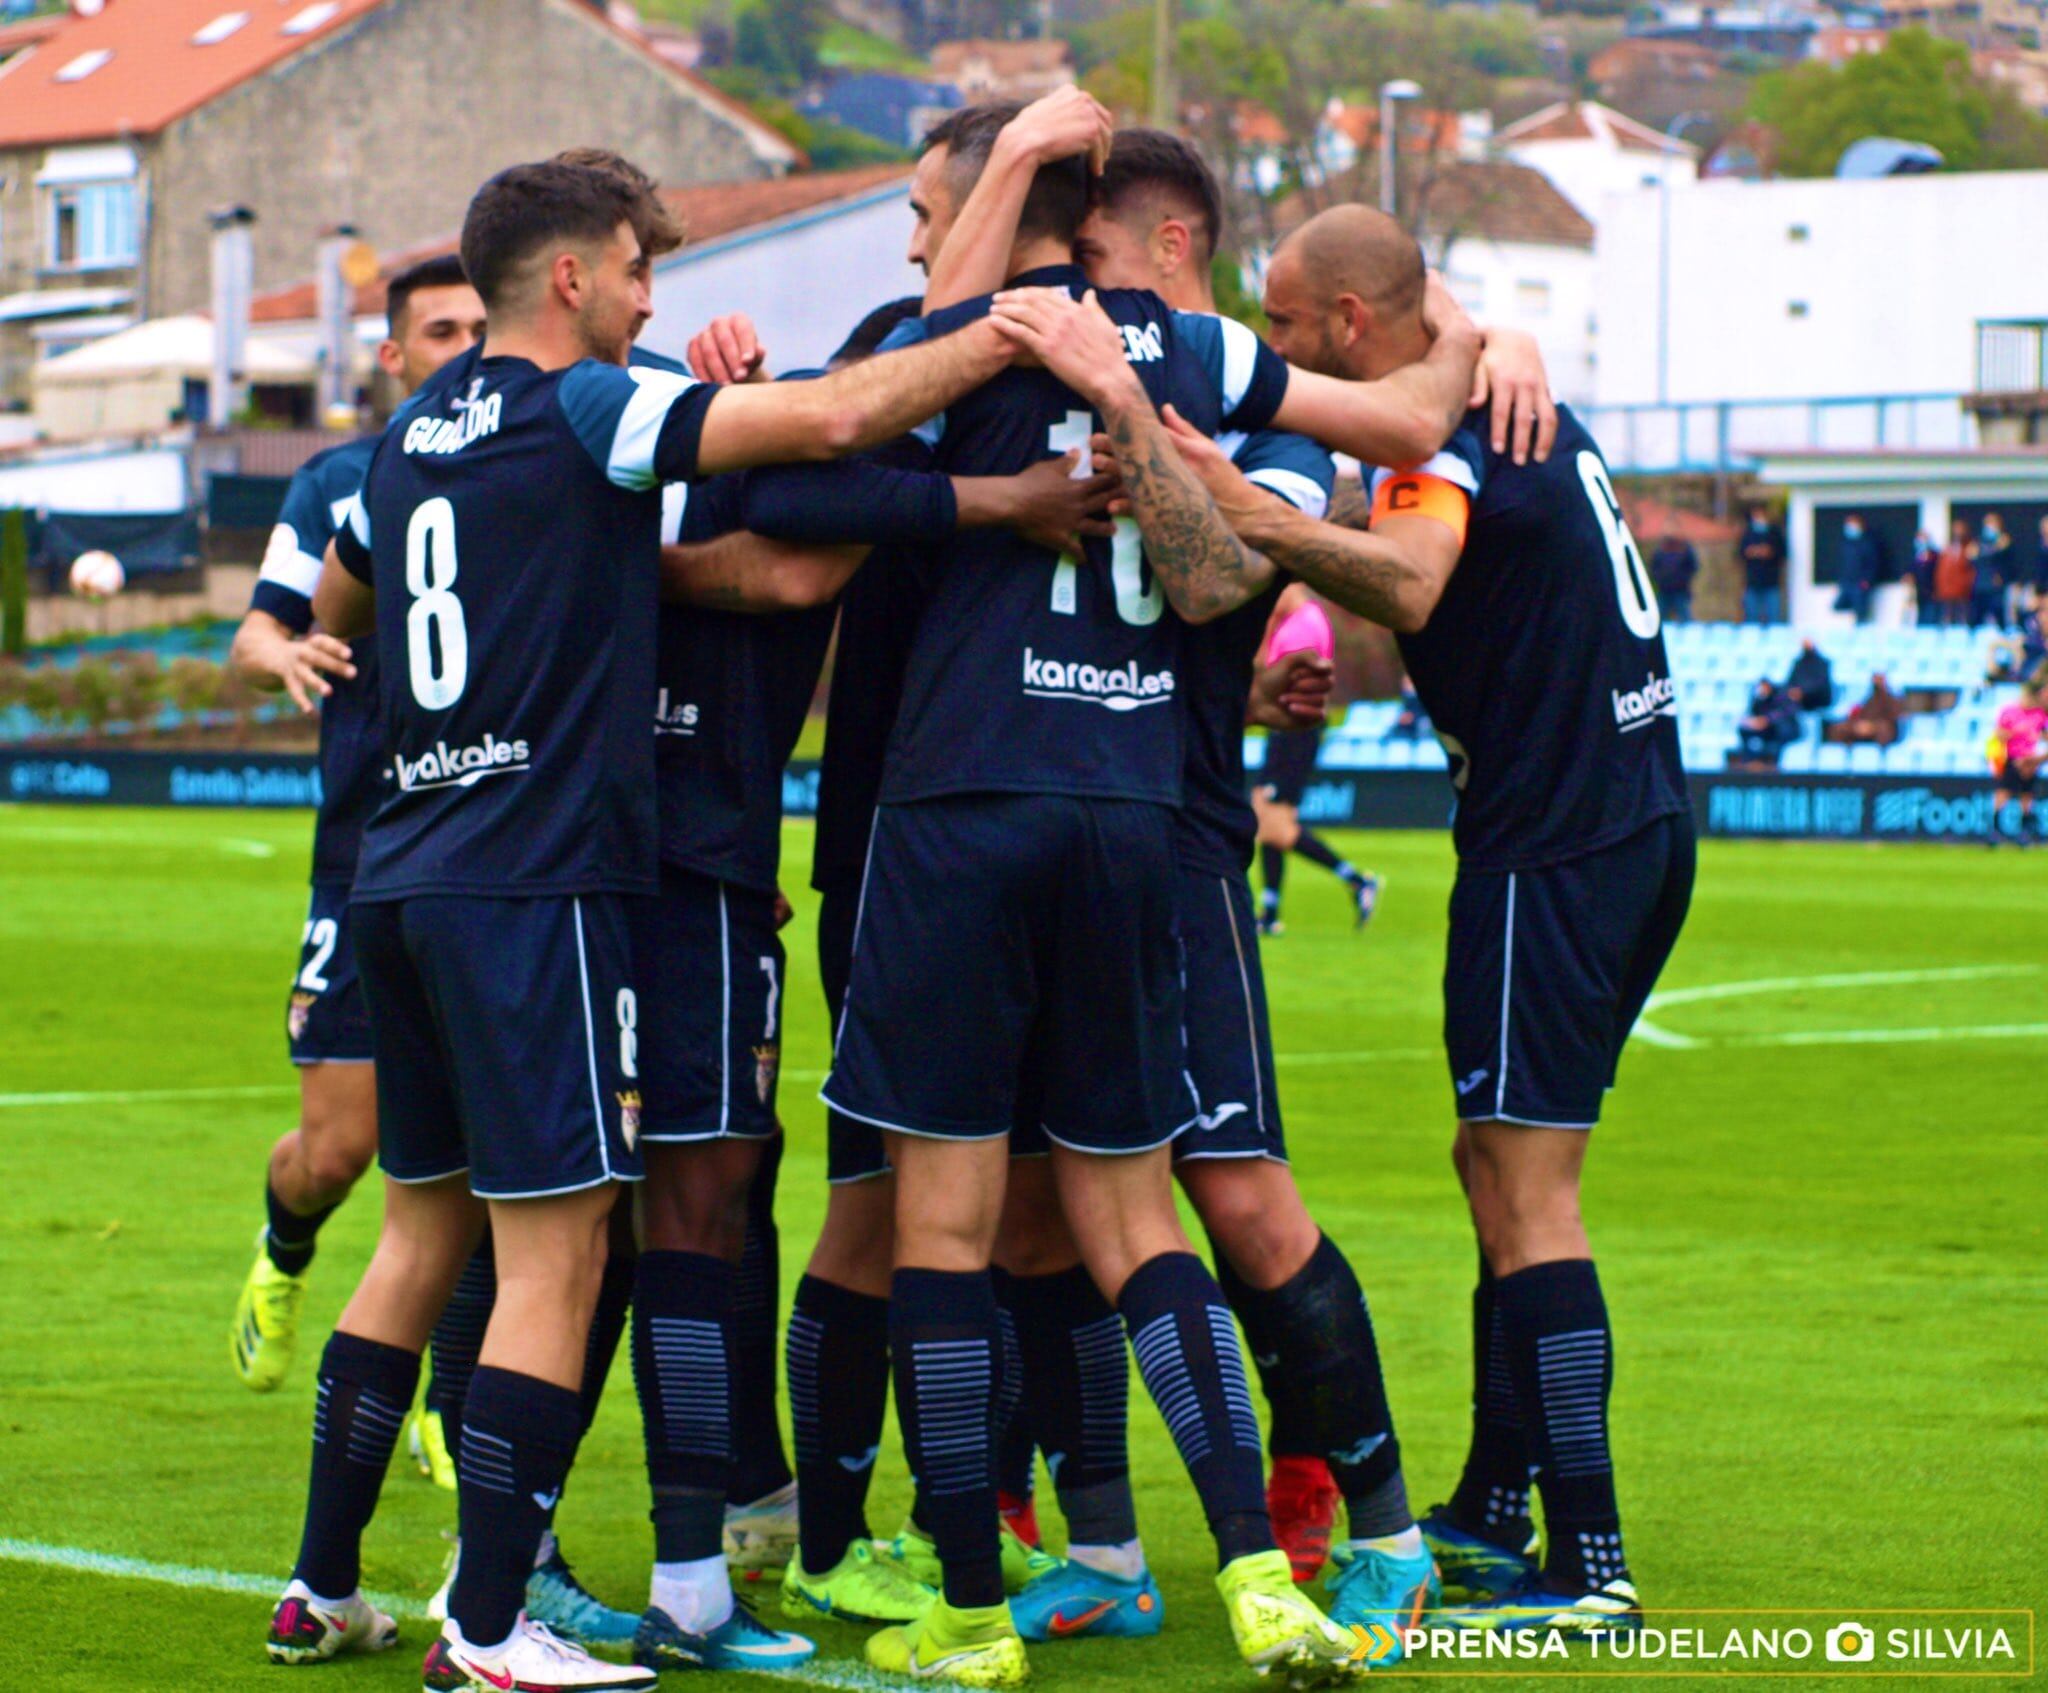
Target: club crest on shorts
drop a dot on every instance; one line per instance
(629, 1116)
(301, 1011)
(766, 1059)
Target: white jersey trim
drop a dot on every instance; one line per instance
(1304, 493)
(631, 462)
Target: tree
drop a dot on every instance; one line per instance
(1919, 88)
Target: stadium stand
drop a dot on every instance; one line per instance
(1717, 664)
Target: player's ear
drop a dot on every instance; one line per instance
(391, 359)
(1171, 245)
(568, 277)
(1356, 317)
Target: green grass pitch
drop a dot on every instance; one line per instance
(1820, 1225)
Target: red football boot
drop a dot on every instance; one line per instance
(1303, 1502)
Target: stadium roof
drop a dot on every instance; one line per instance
(709, 212)
(138, 66)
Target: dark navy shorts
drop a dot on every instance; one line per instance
(325, 1020)
(709, 965)
(1547, 971)
(1290, 763)
(853, 1150)
(507, 1039)
(2012, 782)
(1229, 1041)
(996, 929)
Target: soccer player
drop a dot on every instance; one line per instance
(1276, 801)
(506, 546)
(1530, 626)
(1154, 225)
(1034, 771)
(432, 315)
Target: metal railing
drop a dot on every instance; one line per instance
(2012, 357)
(1722, 437)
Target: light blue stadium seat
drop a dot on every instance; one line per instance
(1798, 759)
(1430, 755)
(1399, 755)
(1831, 759)
(1866, 760)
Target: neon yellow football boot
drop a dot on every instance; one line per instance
(971, 1647)
(426, 1437)
(1277, 1627)
(266, 1326)
(913, 1553)
(861, 1587)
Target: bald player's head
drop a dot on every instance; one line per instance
(1344, 293)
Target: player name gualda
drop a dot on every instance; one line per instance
(1123, 689)
(452, 434)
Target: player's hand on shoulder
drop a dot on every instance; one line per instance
(1293, 692)
(305, 664)
(1055, 508)
(1227, 484)
(727, 349)
(1511, 374)
(1442, 316)
(1074, 339)
(1067, 121)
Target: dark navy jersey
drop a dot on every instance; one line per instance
(510, 524)
(1217, 824)
(353, 771)
(1542, 667)
(1034, 674)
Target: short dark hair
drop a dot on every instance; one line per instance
(444, 270)
(659, 229)
(527, 207)
(873, 330)
(1059, 196)
(1157, 167)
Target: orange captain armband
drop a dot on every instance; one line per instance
(1414, 493)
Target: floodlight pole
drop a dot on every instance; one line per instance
(1391, 94)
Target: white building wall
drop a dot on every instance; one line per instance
(1587, 172)
(805, 282)
(1817, 288)
(1545, 290)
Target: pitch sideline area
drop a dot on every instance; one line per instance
(1819, 1220)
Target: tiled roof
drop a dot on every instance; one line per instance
(1003, 58)
(140, 65)
(1588, 120)
(708, 212)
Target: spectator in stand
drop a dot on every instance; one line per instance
(1672, 567)
(2041, 565)
(1771, 726)
(2019, 656)
(1811, 683)
(1875, 722)
(2018, 748)
(1763, 569)
(1862, 569)
(1411, 721)
(1955, 576)
(1926, 561)
(1994, 574)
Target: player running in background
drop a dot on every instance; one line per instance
(432, 315)
(1531, 629)
(1276, 799)
(492, 922)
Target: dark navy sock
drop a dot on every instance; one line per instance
(759, 1465)
(1015, 1448)
(519, 1436)
(681, 1304)
(1561, 1356)
(1187, 1352)
(1291, 1434)
(838, 1394)
(945, 1342)
(1273, 870)
(1319, 1331)
(364, 1392)
(459, 1341)
(1492, 1497)
(607, 1326)
(1077, 1390)
(290, 1238)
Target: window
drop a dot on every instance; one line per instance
(1532, 298)
(84, 65)
(304, 23)
(220, 29)
(1468, 291)
(92, 226)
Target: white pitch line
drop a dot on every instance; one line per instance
(1882, 1037)
(841, 1676)
(141, 1096)
(1651, 1034)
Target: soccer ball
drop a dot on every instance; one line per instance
(97, 576)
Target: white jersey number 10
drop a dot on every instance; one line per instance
(1135, 603)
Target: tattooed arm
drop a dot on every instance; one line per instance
(1201, 566)
(1395, 575)
(1349, 506)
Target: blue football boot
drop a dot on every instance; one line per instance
(1473, 1569)
(1072, 1599)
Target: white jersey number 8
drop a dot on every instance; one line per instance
(435, 618)
(1639, 609)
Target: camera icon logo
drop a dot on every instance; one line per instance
(1850, 1643)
